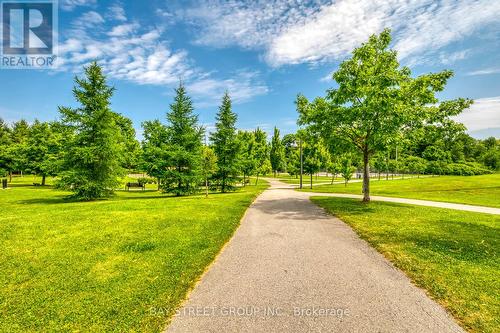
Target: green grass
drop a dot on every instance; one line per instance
(474, 190)
(104, 265)
(306, 179)
(451, 254)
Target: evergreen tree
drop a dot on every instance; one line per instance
(225, 146)
(181, 172)
(92, 159)
(261, 154)
(277, 153)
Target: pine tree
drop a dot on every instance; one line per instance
(277, 153)
(92, 159)
(183, 156)
(225, 146)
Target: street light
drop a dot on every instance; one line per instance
(301, 162)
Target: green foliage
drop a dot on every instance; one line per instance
(346, 168)
(376, 100)
(209, 165)
(465, 169)
(44, 149)
(5, 143)
(248, 160)
(277, 152)
(154, 148)
(180, 156)
(226, 146)
(416, 164)
(262, 153)
(91, 165)
(130, 145)
(292, 154)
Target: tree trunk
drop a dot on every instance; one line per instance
(379, 176)
(206, 187)
(10, 176)
(43, 180)
(311, 181)
(366, 176)
(158, 180)
(257, 179)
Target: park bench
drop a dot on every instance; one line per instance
(129, 185)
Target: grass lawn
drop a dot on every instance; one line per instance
(451, 254)
(122, 264)
(285, 178)
(474, 190)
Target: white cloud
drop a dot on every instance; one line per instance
(116, 12)
(242, 87)
(483, 114)
(143, 56)
(291, 32)
(485, 71)
(72, 4)
(124, 29)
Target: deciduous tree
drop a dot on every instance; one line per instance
(376, 100)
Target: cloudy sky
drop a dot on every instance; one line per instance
(263, 52)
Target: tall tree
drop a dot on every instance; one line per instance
(277, 153)
(225, 145)
(129, 142)
(209, 165)
(5, 143)
(92, 159)
(16, 152)
(153, 149)
(261, 153)
(181, 172)
(376, 100)
(248, 161)
(43, 151)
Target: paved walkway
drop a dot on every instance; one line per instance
(290, 267)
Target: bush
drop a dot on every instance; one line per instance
(146, 180)
(465, 169)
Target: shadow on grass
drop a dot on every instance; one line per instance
(351, 205)
(123, 196)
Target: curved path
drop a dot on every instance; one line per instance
(290, 267)
(437, 204)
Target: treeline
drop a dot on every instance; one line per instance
(90, 148)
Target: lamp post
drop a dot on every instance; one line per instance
(301, 162)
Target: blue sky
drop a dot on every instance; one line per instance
(263, 52)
